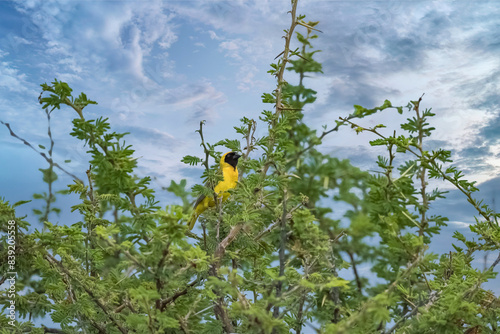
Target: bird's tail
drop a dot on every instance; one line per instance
(193, 219)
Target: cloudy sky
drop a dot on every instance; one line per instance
(158, 68)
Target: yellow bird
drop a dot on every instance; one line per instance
(228, 164)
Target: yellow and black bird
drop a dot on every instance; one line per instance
(229, 171)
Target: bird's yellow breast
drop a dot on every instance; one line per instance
(229, 180)
(230, 175)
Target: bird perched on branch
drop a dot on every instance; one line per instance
(229, 170)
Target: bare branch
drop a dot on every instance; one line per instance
(49, 160)
(165, 302)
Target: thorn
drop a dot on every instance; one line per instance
(308, 26)
(301, 57)
(282, 52)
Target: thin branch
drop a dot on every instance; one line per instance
(276, 223)
(221, 247)
(493, 265)
(120, 308)
(432, 299)
(325, 133)
(423, 172)
(207, 167)
(88, 240)
(338, 236)
(50, 195)
(279, 88)
(438, 169)
(355, 270)
(252, 126)
(171, 299)
(51, 330)
(307, 26)
(206, 150)
(219, 307)
(283, 238)
(49, 160)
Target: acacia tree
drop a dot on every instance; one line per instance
(268, 260)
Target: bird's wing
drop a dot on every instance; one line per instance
(199, 200)
(202, 197)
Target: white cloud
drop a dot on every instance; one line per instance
(213, 35)
(11, 78)
(248, 78)
(458, 224)
(121, 34)
(119, 46)
(186, 96)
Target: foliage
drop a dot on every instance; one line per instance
(271, 259)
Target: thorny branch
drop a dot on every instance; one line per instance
(171, 299)
(252, 126)
(283, 238)
(423, 172)
(276, 223)
(50, 196)
(219, 307)
(281, 82)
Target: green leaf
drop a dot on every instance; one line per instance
(20, 203)
(378, 142)
(191, 160)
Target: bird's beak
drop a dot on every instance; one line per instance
(237, 156)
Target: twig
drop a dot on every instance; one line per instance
(283, 239)
(207, 167)
(438, 169)
(276, 223)
(120, 308)
(355, 270)
(325, 133)
(88, 240)
(279, 89)
(338, 236)
(432, 299)
(207, 151)
(49, 160)
(50, 195)
(221, 247)
(493, 265)
(423, 172)
(165, 302)
(52, 330)
(219, 307)
(252, 126)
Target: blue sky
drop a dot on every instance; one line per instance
(158, 68)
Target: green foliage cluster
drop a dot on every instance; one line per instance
(269, 260)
